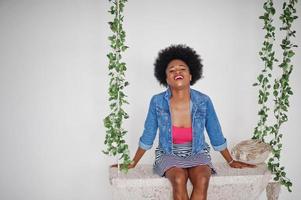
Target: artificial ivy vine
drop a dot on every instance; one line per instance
(281, 87)
(114, 139)
(267, 55)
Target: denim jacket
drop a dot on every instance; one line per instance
(203, 116)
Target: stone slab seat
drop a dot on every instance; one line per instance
(228, 184)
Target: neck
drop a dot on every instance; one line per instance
(180, 94)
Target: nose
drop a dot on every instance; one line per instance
(177, 71)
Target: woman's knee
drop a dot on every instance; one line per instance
(180, 179)
(200, 176)
(200, 180)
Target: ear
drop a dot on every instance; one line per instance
(190, 77)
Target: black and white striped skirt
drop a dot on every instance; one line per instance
(181, 158)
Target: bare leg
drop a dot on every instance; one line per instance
(178, 178)
(199, 177)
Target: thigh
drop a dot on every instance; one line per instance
(199, 174)
(176, 174)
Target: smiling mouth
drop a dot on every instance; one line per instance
(179, 77)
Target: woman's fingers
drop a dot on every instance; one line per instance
(114, 165)
(251, 165)
(247, 165)
(129, 166)
(239, 164)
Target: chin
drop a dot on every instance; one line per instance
(180, 86)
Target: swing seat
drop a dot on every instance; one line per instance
(228, 184)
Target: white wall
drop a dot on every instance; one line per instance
(53, 73)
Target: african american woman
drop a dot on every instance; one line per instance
(182, 114)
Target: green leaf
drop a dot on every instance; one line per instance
(123, 48)
(273, 11)
(260, 77)
(291, 54)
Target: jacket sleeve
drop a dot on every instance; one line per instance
(213, 129)
(150, 127)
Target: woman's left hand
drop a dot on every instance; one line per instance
(239, 164)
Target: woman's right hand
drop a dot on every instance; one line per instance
(138, 155)
(130, 166)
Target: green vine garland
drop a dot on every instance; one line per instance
(114, 139)
(281, 88)
(267, 55)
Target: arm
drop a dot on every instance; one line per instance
(233, 163)
(217, 139)
(139, 153)
(227, 156)
(150, 127)
(213, 128)
(148, 136)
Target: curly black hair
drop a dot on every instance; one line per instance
(181, 52)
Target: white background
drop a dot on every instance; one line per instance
(53, 86)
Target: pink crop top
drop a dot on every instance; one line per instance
(181, 135)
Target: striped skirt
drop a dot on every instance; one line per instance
(181, 158)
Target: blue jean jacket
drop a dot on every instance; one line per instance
(203, 116)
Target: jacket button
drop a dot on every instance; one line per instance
(169, 130)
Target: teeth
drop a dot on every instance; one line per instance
(178, 77)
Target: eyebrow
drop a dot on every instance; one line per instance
(170, 66)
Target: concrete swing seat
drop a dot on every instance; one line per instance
(228, 184)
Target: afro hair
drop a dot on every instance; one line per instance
(181, 52)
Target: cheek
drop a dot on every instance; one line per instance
(168, 77)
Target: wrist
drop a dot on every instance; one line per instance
(133, 163)
(231, 161)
